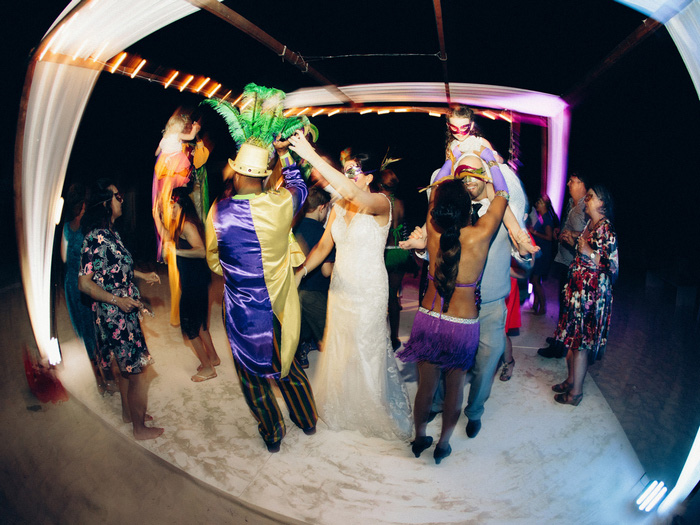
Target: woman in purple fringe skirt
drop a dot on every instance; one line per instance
(445, 333)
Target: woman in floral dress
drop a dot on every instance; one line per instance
(106, 275)
(583, 324)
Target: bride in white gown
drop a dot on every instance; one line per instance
(357, 384)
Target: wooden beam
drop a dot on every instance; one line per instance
(648, 27)
(230, 16)
(437, 7)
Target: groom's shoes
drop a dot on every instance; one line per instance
(555, 350)
(473, 427)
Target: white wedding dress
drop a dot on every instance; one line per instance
(357, 384)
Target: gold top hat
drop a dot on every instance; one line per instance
(251, 161)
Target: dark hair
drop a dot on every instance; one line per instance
(378, 181)
(606, 197)
(550, 210)
(317, 197)
(459, 111)
(583, 177)
(98, 210)
(75, 198)
(451, 212)
(362, 160)
(181, 195)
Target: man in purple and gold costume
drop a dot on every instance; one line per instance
(248, 242)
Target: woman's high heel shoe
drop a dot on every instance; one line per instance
(568, 399)
(507, 370)
(420, 444)
(562, 388)
(441, 453)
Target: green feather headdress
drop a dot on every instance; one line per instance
(260, 119)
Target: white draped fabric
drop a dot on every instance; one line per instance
(56, 94)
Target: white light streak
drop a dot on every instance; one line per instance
(138, 68)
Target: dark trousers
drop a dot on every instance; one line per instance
(295, 389)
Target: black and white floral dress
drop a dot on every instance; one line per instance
(119, 334)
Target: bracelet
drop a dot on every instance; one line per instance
(491, 163)
(114, 299)
(306, 272)
(504, 194)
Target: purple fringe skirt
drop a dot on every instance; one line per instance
(443, 340)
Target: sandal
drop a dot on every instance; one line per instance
(507, 370)
(562, 388)
(198, 377)
(568, 399)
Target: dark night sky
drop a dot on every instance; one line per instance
(634, 129)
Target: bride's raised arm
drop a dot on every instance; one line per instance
(371, 203)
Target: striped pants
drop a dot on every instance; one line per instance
(295, 389)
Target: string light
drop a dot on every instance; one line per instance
(204, 83)
(318, 112)
(116, 64)
(170, 81)
(216, 88)
(303, 111)
(365, 111)
(101, 50)
(225, 96)
(289, 112)
(246, 104)
(79, 50)
(333, 112)
(383, 112)
(433, 114)
(186, 83)
(138, 68)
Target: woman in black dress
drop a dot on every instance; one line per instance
(187, 232)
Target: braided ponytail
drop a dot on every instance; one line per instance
(451, 213)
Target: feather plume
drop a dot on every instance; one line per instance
(260, 119)
(387, 160)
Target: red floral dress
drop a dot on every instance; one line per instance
(585, 317)
(118, 333)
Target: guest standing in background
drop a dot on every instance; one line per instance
(80, 313)
(585, 319)
(313, 291)
(543, 232)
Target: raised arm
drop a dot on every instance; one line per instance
(293, 180)
(367, 202)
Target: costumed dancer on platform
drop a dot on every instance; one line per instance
(172, 170)
(248, 242)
